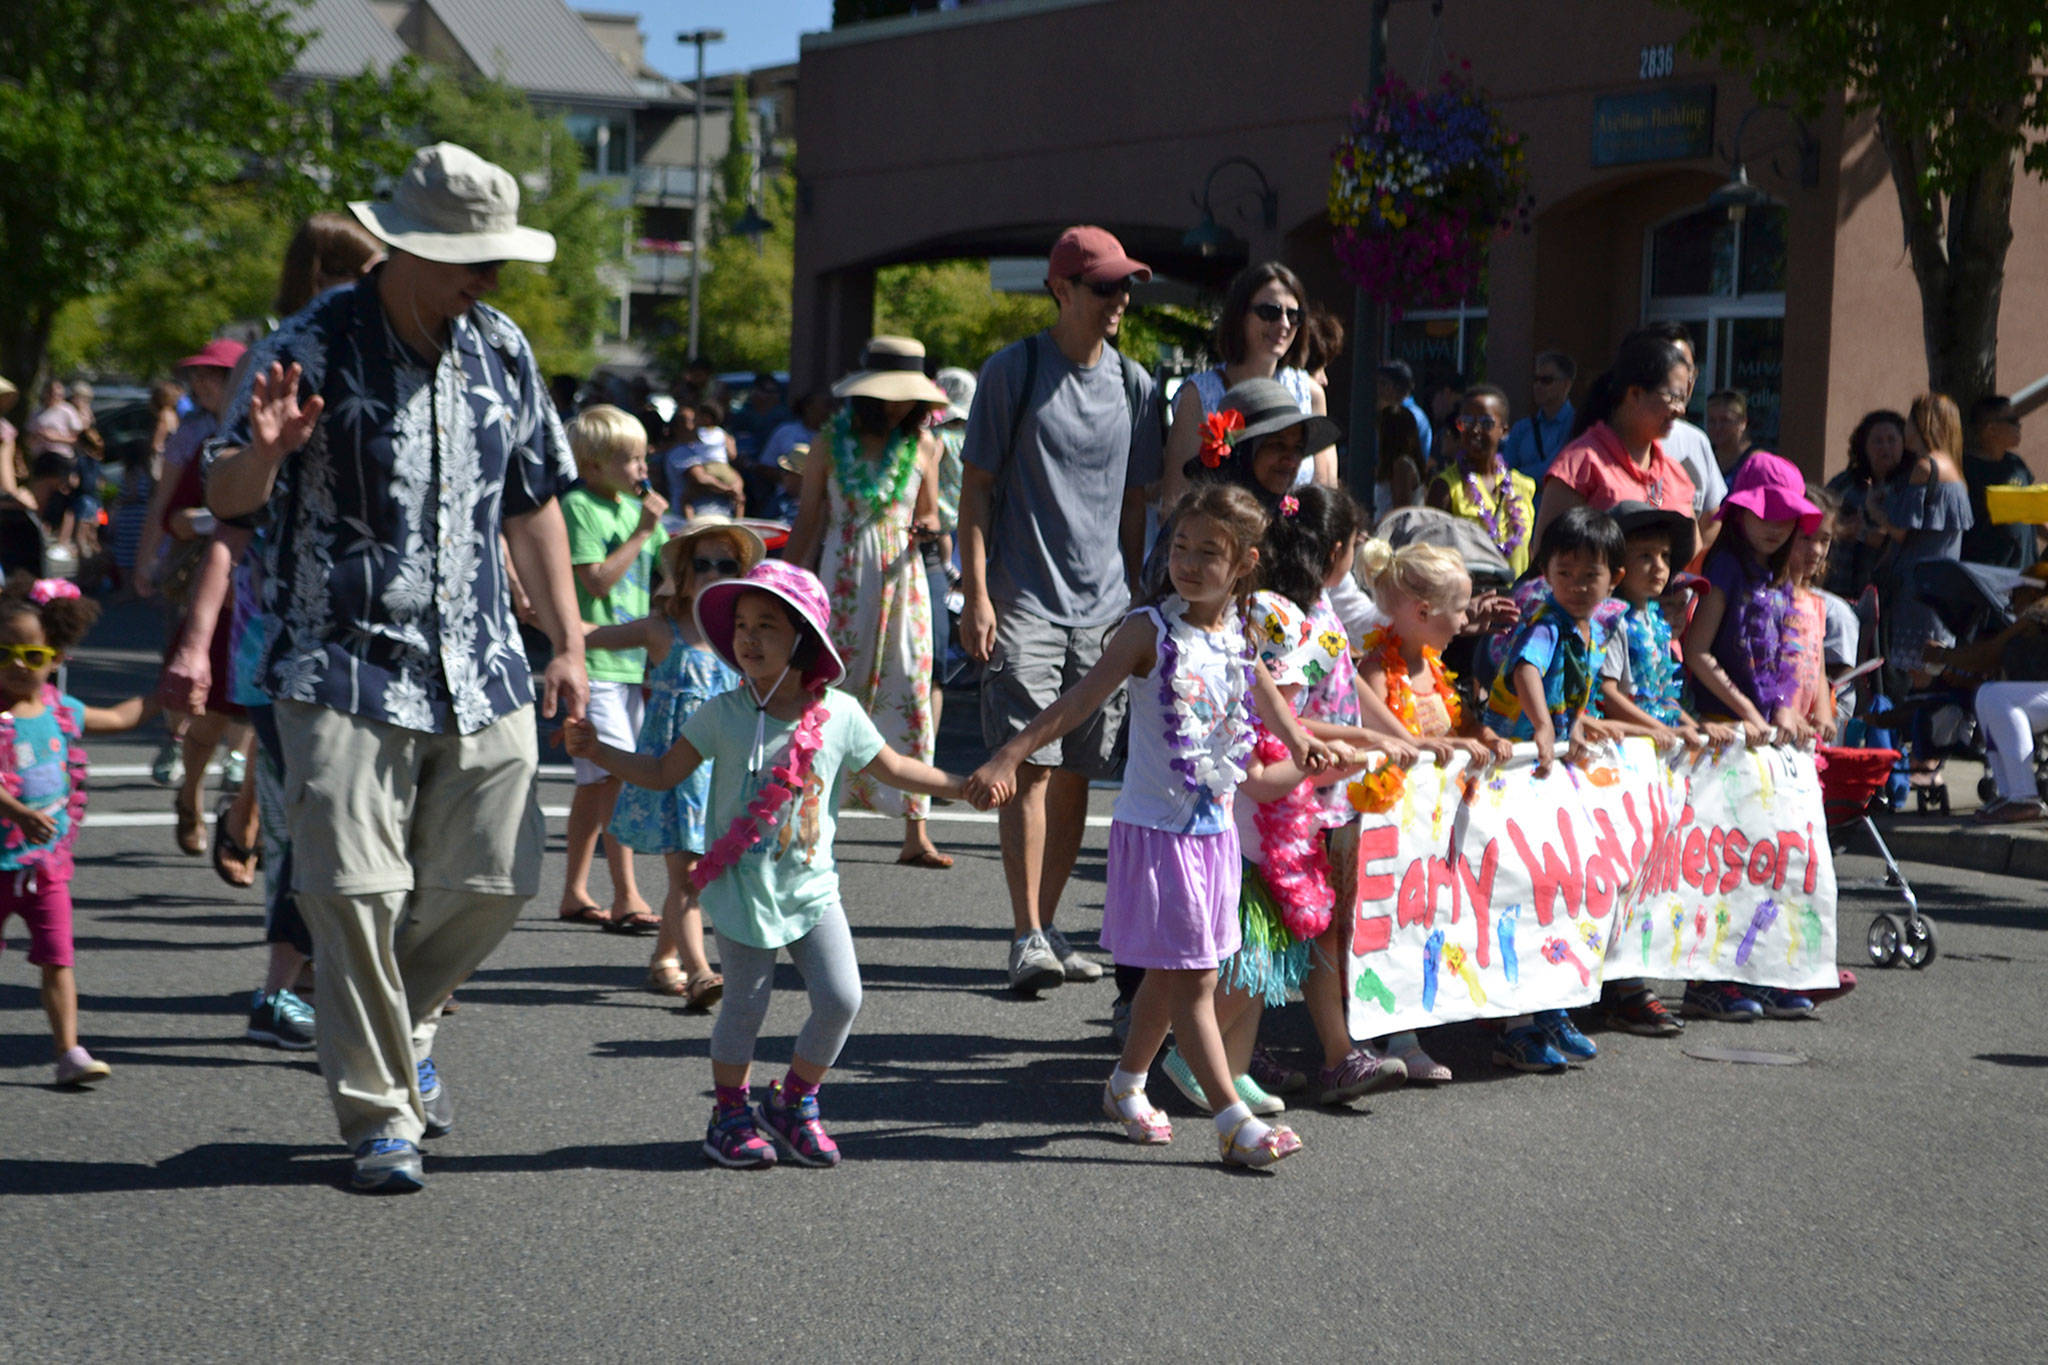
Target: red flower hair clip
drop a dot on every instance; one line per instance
(1219, 434)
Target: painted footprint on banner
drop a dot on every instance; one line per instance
(1699, 934)
(1461, 967)
(1591, 933)
(1432, 948)
(1504, 933)
(1765, 916)
(1557, 950)
(1370, 987)
(1677, 930)
(1812, 930)
(1722, 919)
(1649, 931)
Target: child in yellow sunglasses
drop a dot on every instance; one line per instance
(42, 790)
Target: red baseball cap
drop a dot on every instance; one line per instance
(220, 354)
(1095, 255)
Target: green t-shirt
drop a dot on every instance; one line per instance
(596, 528)
(774, 896)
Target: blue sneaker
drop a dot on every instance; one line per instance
(1780, 1004)
(1564, 1035)
(434, 1098)
(1722, 1000)
(387, 1166)
(1528, 1048)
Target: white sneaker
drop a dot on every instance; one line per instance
(1033, 967)
(1076, 967)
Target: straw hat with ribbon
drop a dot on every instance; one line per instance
(891, 369)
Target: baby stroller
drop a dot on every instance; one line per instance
(1850, 780)
(1939, 721)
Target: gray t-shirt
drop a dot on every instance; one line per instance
(1054, 550)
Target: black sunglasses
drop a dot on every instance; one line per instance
(1108, 289)
(730, 568)
(1273, 312)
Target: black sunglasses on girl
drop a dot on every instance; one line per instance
(730, 568)
(1273, 312)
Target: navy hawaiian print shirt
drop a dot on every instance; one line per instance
(381, 559)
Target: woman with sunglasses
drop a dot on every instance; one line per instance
(1616, 453)
(1259, 336)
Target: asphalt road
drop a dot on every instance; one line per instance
(1882, 1200)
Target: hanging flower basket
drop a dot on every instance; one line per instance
(1419, 187)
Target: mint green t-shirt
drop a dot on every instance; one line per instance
(775, 894)
(596, 528)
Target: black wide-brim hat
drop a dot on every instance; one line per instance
(1634, 517)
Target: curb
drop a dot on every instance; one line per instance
(1958, 844)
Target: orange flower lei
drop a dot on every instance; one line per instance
(1376, 792)
(1401, 692)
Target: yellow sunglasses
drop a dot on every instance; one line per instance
(28, 656)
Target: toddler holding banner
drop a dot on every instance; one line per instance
(1424, 591)
(1546, 692)
(1174, 860)
(1743, 651)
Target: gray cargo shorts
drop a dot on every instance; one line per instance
(1034, 661)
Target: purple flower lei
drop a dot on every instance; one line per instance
(1202, 770)
(1504, 498)
(1766, 625)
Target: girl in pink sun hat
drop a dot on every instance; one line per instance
(781, 745)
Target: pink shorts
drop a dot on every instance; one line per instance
(44, 906)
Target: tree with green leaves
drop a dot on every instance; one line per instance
(118, 121)
(1958, 95)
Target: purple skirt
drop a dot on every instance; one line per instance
(1172, 898)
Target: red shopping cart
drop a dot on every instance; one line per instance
(1849, 781)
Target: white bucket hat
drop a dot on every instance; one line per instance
(891, 369)
(455, 207)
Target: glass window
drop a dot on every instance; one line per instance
(1763, 250)
(1753, 360)
(1693, 256)
(1441, 344)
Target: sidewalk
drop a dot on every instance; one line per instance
(1953, 841)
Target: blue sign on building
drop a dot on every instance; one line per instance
(1671, 123)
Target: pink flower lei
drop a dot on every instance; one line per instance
(787, 779)
(1296, 869)
(55, 860)
(1504, 499)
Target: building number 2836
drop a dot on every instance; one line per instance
(1654, 62)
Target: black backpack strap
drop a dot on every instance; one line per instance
(1017, 416)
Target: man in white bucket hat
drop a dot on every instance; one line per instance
(385, 438)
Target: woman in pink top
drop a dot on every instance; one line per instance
(1617, 455)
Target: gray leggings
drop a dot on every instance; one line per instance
(831, 977)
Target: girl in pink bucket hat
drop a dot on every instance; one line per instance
(1743, 650)
(781, 746)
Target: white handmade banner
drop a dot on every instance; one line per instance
(1493, 892)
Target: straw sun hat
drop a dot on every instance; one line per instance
(891, 369)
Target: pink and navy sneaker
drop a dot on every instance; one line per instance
(797, 1128)
(733, 1141)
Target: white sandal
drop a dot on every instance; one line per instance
(1149, 1129)
(1278, 1143)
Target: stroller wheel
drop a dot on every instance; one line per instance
(1919, 945)
(1883, 939)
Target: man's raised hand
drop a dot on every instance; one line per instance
(278, 423)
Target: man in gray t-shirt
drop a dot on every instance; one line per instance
(1062, 443)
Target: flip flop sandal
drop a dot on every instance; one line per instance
(666, 978)
(704, 992)
(639, 922)
(938, 862)
(1149, 1129)
(1267, 1151)
(586, 914)
(227, 850)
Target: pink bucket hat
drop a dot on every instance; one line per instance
(798, 587)
(1771, 487)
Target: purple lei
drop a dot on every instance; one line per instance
(1766, 624)
(1518, 529)
(1185, 761)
